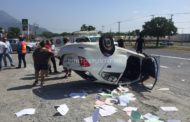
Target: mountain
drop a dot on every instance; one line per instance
(7, 21)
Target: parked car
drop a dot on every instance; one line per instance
(106, 63)
(166, 43)
(14, 43)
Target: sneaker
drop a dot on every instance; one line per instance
(18, 67)
(12, 65)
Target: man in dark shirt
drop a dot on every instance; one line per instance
(139, 44)
(41, 57)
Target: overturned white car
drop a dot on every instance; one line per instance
(106, 63)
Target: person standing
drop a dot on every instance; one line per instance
(139, 45)
(50, 46)
(53, 57)
(7, 53)
(66, 70)
(3, 48)
(41, 57)
(21, 49)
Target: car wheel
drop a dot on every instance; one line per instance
(106, 44)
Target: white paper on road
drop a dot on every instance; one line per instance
(173, 120)
(164, 89)
(88, 119)
(169, 109)
(28, 111)
(150, 116)
(154, 120)
(183, 80)
(78, 95)
(107, 110)
(164, 67)
(123, 89)
(120, 120)
(129, 110)
(63, 109)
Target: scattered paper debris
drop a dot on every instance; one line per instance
(99, 103)
(129, 110)
(78, 95)
(169, 109)
(179, 66)
(88, 119)
(96, 115)
(105, 94)
(111, 101)
(123, 89)
(164, 67)
(154, 120)
(107, 110)
(28, 111)
(173, 120)
(135, 116)
(120, 120)
(150, 116)
(63, 109)
(123, 100)
(149, 85)
(183, 80)
(164, 89)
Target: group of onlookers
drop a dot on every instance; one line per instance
(5, 52)
(42, 56)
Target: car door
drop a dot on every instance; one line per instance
(150, 71)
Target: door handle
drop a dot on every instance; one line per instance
(108, 66)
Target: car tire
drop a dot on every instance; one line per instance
(106, 44)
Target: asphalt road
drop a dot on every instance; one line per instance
(16, 93)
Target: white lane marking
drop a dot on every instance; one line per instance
(172, 57)
(163, 66)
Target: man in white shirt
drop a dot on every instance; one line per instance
(7, 53)
(3, 48)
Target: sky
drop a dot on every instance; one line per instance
(69, 15)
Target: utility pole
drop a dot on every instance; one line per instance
(119, 26)
(171, 17)
(152, 16)
(103, 28)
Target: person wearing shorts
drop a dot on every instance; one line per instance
(41, 57)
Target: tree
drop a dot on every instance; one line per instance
(84, 27)
(159, 27)
(13, 32)
(47, 34)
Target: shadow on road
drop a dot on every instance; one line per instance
(20, 87)
(62, 90)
